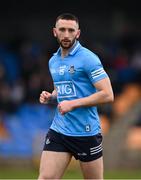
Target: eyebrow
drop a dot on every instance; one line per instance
(63, 28)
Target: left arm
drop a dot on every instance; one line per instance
(104, 94)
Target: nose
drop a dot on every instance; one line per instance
(66, 34)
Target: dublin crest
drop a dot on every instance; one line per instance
(72, 70)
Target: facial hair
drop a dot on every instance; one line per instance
(68, 43)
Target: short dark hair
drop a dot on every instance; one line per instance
(68, 16)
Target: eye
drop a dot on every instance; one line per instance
(71, 30)
(62, 29)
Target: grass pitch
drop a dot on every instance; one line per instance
(71, 173)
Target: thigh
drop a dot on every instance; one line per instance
(92, 169)
(53, 164)
(85, 149)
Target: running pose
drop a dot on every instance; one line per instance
(80, 84)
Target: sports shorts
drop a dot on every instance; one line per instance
(84, 148)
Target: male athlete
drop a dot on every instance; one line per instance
(80, 84)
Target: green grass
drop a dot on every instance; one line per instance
(12, 173)
(71, 173)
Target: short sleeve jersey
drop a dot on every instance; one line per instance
(74, 77)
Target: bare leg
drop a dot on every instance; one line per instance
(53, 164)
(92, 169)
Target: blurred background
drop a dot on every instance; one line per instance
(111, 29)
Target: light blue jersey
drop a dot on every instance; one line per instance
(74, 76)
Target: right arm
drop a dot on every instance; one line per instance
(46, 97)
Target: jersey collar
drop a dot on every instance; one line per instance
(73, 49)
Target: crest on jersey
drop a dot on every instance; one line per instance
(72, 70)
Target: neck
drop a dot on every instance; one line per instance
(65, 52)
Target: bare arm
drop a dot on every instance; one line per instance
(104, 94)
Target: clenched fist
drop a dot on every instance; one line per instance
(45, 97)
(65, 106)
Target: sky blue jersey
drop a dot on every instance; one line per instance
(74, 77)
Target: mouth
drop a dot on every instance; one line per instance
(66, 41)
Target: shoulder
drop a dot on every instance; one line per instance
(52, 59)
(89, 56)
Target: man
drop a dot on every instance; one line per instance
(80, 84)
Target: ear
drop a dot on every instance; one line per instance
(78, 33)
(54, 32)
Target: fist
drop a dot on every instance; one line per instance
(45, 97)
(65, 106)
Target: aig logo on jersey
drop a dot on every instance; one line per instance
(65, 89)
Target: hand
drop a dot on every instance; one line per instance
(45, 97)
(65, 106)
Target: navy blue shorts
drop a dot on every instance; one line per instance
(85, 149)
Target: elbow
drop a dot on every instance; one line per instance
(110, 98)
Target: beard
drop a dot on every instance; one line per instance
(66, 43)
